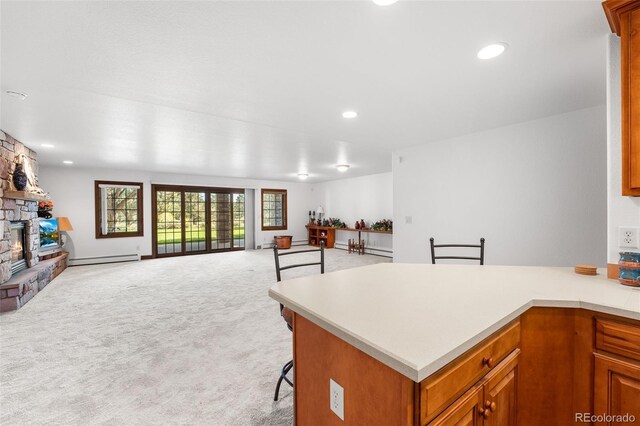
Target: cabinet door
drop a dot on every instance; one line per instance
(630, 56)
(499, 405)
(463, 412)
(617, 388)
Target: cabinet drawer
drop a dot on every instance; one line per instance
(618, 338)
(443, 387)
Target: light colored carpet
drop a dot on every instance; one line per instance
(188, 340)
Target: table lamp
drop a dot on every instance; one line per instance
(64, 225)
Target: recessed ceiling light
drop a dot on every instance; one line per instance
(492, 50)
(47, 145)
(349, 114)
(303, 176)
(342, 167)
(68, 162)
(18, 95)
(384, 2)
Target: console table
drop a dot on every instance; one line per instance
(359, 231)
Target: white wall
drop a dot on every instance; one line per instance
(72, 190)
(623, 211)
(536, 191)
(366, 197)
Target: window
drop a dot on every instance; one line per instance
(118, 209)
(274, 209)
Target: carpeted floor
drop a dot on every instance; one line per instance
(189, 340)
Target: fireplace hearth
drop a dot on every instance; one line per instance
(18, 247)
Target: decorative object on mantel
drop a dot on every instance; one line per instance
(586, 269)
(362, 224)
(357, 225)
(23, 167)
(320, 211)
(629, 268)
(20, 179)
(44, 209)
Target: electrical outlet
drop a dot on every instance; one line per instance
(628, 237)
(336, 399)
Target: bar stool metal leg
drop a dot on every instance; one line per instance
(283, 376)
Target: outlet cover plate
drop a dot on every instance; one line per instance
(628, 237)
(336, 399)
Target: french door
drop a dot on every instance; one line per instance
(191, 220)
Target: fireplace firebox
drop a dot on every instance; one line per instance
(18, 247)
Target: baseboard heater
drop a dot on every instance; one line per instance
(293, 243)
(79, 261)
(367, 250)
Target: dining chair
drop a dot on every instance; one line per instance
(437, 246)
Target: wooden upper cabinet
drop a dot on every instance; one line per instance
(624, 19)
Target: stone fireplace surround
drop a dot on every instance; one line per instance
(17, 290)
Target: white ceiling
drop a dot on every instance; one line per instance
(256, 89)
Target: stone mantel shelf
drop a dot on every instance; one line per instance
(24, 195)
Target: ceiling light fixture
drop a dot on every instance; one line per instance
(47, 145)
(492, 50)
(342, 167)
(68, 162)
(17, 95)
(384, 2)
(349, 114)
(303, 176)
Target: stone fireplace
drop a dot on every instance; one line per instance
(23, 270)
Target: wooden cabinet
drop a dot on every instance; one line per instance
(624, 18)
(500, 393)
(464, 411)
(617, 388)
(442, 388)
(492, 402)
(316, 234)
(618, 338)
(616, 384)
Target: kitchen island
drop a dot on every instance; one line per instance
(421, 344)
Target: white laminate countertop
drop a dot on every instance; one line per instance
(416, 318)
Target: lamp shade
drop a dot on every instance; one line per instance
(64, 224)
(320, 210)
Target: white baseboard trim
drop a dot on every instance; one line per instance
(79, 261)
(383, 252)
(265, 246)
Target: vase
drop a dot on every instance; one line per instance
(19, 178)
(362, 225)
(629, 268)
